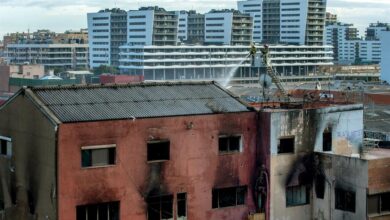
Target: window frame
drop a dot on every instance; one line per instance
(307, 189)
(237, 189)
(343, 207)
(9, 150)
(228, 152)
(157, 142)
(98, 147)
(279, 143)
(327, 131)
(109, 206)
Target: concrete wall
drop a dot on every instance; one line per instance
(307, 126)
(348, 174)
(29, 177)
(195, 166)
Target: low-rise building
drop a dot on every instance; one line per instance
(19, 72)
(144, 151)
(198, 62)
(52, 56)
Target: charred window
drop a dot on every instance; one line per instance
(97, 156)
(378, 204)
(158, 151)
(181, 205)
(160, 207)
(345, 200)
(5, 146)
(102, 211)
(229, 144)
(297, 195)
(286, 145)
(327, 140)
(226, 197)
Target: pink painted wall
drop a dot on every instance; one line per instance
(195, 166)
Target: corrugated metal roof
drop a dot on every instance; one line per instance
(145, 100)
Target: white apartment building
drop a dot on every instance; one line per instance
(298, 22)
(345, 42)
(152, 26)
(63, 56)
(106, 32)
(348, 48)
(374, 30)
(99, 33)
(228, 27)
(182, 29)
(370, 51)
(293, 21)
(195, 62)
(140, 27)
(254, 8)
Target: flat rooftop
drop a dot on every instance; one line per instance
(377, 154)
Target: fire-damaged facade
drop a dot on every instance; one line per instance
(143, 151)
(317, 166)
(177, 151)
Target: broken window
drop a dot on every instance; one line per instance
(229, 144)
(227, 197)
(377, 204)
(102, 211)
(97, 156)
(286, 145)
(158, 151)
(160, 207)
(297, 195)
(345, 200)
(327, 140)
(5, 146)
(181, 205)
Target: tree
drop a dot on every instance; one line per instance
(105, 69)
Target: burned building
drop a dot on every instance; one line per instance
(318, 166)
(141, 151)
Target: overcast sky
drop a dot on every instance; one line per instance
(61, 15)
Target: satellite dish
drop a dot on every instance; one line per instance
(265, 81)
(337, 85)
(360, 85)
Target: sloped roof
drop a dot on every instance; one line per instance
(144, 100)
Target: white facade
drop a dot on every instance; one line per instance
(370, 51)
(182, 29)
(140, 27)
(385, 62)
(293, 21)
(217, 62)
(99, 34)
(254, 8)
(344, 50)
(218, 28)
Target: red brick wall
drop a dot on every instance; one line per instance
(379, 176)
(195, 166)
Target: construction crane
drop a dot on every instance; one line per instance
(270, 70)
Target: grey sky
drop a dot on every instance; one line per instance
(60, 15)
